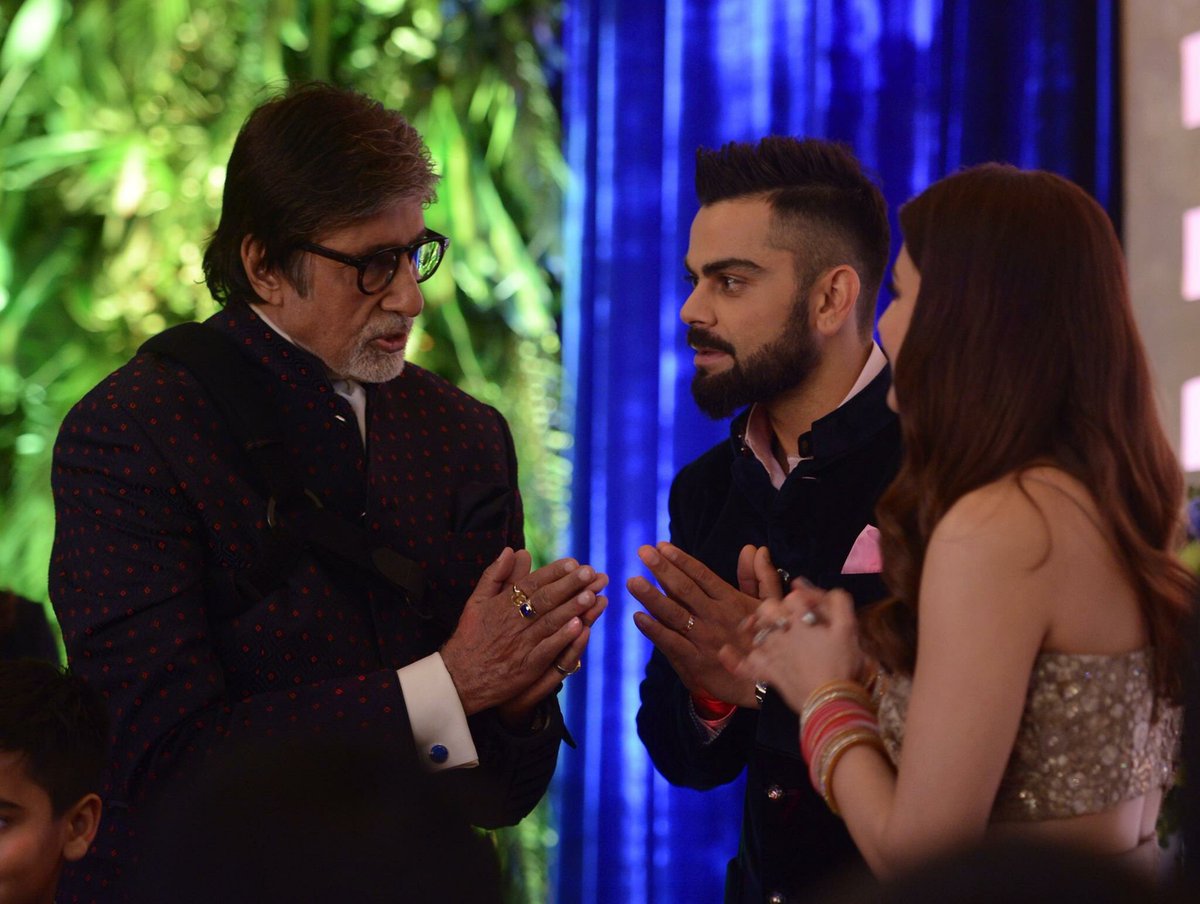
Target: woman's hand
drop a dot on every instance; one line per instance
(799, 643)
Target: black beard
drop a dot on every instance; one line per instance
(774, 369)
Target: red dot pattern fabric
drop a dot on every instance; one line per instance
(157, 511)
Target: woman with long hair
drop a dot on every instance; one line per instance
(1027, 670)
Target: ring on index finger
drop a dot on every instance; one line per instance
(571, 671)
(521, 601)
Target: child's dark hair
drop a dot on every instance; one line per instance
(58, 723)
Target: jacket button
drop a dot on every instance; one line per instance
(774, 792)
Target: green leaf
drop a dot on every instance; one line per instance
(30, 33)
(62, 144)
(384, 8)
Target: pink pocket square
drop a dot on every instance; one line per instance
(865, 557)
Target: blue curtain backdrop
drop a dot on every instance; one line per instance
(919, 88)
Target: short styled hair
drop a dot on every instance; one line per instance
(311, 161)
(826, 210)
(58, 724)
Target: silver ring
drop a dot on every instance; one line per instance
(521, 601)
(780, 624)
(760, 693)
(691, 623)
(810, 618)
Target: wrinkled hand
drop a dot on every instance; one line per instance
(693, 595)
(518, 712)
(496, 656)
(793, 655)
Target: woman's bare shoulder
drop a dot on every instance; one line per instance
(1020, 514)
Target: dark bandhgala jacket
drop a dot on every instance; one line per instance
(723, 500)
(159, 513)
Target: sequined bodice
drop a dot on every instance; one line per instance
(1092, 735)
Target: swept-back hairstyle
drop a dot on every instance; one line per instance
(314, 160)
(826, 210)
(1022, 349)
(58, 724)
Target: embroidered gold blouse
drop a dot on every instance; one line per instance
(1092, 735)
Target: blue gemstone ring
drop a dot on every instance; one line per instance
(521, 601)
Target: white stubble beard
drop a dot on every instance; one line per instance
(370, 365)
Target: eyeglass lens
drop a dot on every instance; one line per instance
(381, 268)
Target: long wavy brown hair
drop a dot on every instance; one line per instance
(1022, 350)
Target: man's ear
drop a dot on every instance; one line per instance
(82, 822)
(833, 299)
(266, 282)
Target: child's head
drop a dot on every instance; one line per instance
(53, 734)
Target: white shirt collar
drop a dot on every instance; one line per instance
(350, 390)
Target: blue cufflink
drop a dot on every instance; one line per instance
(438, 753)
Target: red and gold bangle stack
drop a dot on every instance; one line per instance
(835, 717)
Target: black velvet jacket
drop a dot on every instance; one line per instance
(720, 502)
(158, 513)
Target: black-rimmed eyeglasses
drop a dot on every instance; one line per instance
(377, 270)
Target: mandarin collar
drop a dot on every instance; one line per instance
(844, 429)
(288, 363)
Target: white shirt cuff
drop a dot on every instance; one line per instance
(439, 725)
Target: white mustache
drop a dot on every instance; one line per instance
(391, 327)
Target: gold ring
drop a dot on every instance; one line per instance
(567, 672)
(521, 601)
(691, 623)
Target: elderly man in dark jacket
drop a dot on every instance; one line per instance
(291, 532)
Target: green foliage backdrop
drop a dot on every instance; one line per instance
(115, 123)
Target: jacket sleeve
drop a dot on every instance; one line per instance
(515, 768)
(677, 746)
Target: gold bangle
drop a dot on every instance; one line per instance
(835, 690)
(833, 753)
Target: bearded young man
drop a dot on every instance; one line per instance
(786, 256)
